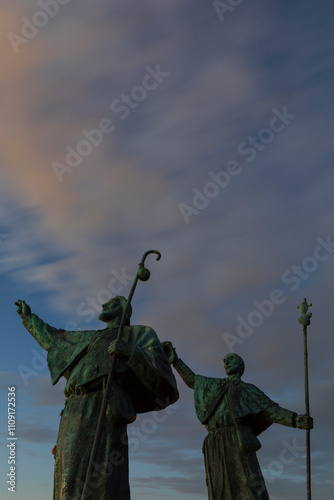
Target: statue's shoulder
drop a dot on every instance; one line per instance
(142, 330)
(77, 333)
(142, 336)
(253, 392)
(75, 337)
(209, 383)
(249, 387)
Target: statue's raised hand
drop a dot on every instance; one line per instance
(23, 310)
(170, 351)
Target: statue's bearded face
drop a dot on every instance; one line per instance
(233, 364)
(111, 309)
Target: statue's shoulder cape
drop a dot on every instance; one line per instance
(66, 348)
(247, 406)
(147, 378)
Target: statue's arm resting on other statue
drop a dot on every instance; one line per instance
(187, 375)
(42, 332)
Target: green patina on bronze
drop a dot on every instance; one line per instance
(305, 316)
(234, 414)
(143, 382)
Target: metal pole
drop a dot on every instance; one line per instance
(304, 320)
(307, 412)
(143, 274)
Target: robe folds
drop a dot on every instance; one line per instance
(234, 413)
(143, 383)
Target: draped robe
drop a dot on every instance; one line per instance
(143, 383)
(235, 413)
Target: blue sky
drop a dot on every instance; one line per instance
(128, 126)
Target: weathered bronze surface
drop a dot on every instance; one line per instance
(234, 414)
(305, 316)
(143, 382)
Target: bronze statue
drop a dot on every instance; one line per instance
(143, 382)
(234, 414)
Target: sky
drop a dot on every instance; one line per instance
(200, 129)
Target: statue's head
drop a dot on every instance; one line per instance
(234, 364)
(114, 308)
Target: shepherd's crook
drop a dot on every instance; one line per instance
(143, 274)
(304, 320)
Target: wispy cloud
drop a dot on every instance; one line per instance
(66, 239)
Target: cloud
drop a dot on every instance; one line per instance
(70, 220)
(32, 434)
(190, 485)
(65, 239)
(38, 391)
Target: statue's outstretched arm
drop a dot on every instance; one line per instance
(42, 332)
(280, 415)
(187, 375)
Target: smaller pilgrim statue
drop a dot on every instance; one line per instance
(234, 414)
